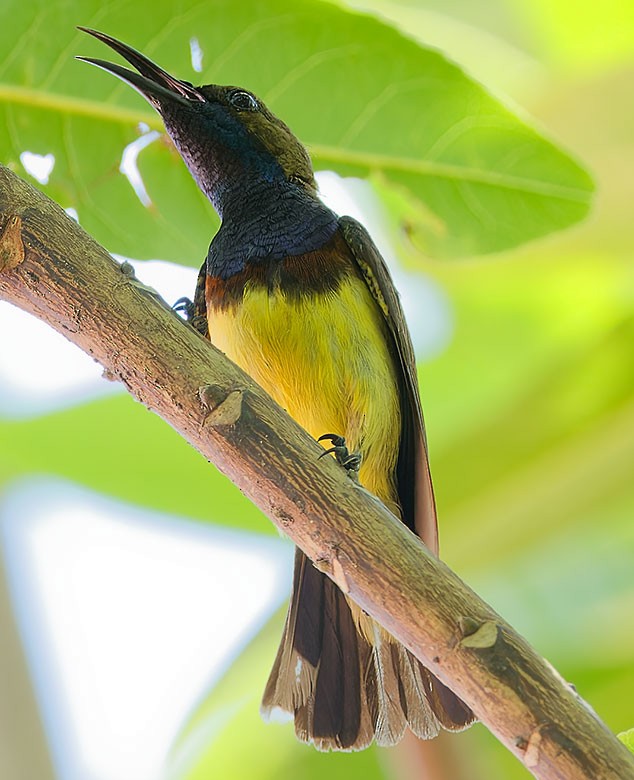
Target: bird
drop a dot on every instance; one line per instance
(303, 301)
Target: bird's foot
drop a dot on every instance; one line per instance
(351, 461)
(186, 308)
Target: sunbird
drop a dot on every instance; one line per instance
(302, 300)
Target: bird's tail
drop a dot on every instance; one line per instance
(347, 681)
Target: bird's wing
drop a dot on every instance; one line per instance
(415, 490)
(198, 320)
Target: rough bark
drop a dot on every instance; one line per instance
(50, 267)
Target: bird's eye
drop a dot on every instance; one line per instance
(243, 101)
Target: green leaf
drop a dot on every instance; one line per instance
(538, 426)
(116, 447)
(627, 738)
(581, 33)
(464, 31)
(365, 99)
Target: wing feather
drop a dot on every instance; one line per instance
(416, 494)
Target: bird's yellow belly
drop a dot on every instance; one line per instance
(325, 359)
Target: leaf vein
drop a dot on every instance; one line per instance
(304, 67)
(378, 102)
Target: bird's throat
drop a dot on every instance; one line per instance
(266, 223)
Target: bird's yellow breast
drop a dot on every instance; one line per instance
(325, 358)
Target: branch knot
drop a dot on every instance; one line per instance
(11, 243)
(219, 406)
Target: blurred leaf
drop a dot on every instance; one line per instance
(512, 35)
(364, 98)
(533, 399)
(608, 688)
(627, 738)
(581, 34)
(118, 448)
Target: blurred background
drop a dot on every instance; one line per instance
(141, 596)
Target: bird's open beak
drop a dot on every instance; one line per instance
(151, 81)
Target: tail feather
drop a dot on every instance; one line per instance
(452, 713)
(420, 715)
(291, 683)
(391, 720)
(345, 680)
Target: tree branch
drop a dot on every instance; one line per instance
(50, 267)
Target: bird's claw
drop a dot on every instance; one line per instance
(351, 461)
(184, 306)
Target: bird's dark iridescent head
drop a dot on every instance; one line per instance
(228, 138)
